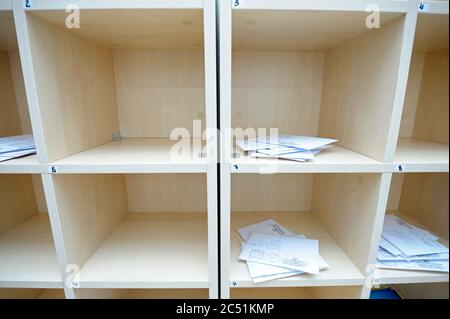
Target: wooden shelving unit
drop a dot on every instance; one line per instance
(105, 98)
(316, 68)
(121, 199)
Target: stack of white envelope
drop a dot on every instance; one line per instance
(290, 147)
(16, 146)
(404, 246)
(272, 252)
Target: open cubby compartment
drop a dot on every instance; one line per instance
(27, 251)
(14, 115)
(317, 73)
(423, 291)
(31, 293)
(339, 210)
(422, 200)
(337, 292)
(423, 137)
(113, 90)
(199, 293)
(134, 231)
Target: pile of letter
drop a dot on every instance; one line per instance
(272, 252)
(404, 246)
(16, 146)
(290, 147)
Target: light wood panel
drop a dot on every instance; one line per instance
(142, 293)
(9, 115)
(17, 201)
(156, 29)
(39, 193)
(167, 250)
(19, 293)
(359, 87)
(431, 32)
(417, 155)
(395, 191)
(297, 30)
(8, 40)
(166, 193)
(271, 293)
(89, 207)
(412, 94)
(337, 292)
(28, 255)
(137, 155)
(158, 91)
(334, 160)
(272, 192)
(425, 199)
(75, 86)
(432, 111)
(424, 291)
(19, 89)
(277, 89)
(342, 270)
(346, 205)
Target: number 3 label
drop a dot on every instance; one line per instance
(237, 3)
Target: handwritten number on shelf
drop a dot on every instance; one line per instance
(27, 3)
(400, 168)
(53, 169)
(235, 3)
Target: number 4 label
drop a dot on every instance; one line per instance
(424, 7)
(27, 4)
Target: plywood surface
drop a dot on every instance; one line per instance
(155, 29)
(9, 114)
(75, 86)
(166, 193)
(144, 153)
(28, 255)
(431, 32)
(158, 91)
(297, 30)
(412, 152)
(151, 250)
(432, 110)
(342, 270)
(8, 40)
(277, 89)
(335, 159)
(17, 200)
(359, 87)
(425, 199)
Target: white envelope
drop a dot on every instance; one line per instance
(282, 251)
(268, 226)
(427, 265)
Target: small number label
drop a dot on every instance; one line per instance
(235, 284)
(401, 168)
(236, 167)
(424, 7)
(235, 3)
(52, 170)
(27, 4)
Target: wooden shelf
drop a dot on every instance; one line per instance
(334, 160)
(417, 155)
(26, 164)
(393, 276)
(151, 250)
(342, 271)
(132, 155)
(28, 256)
